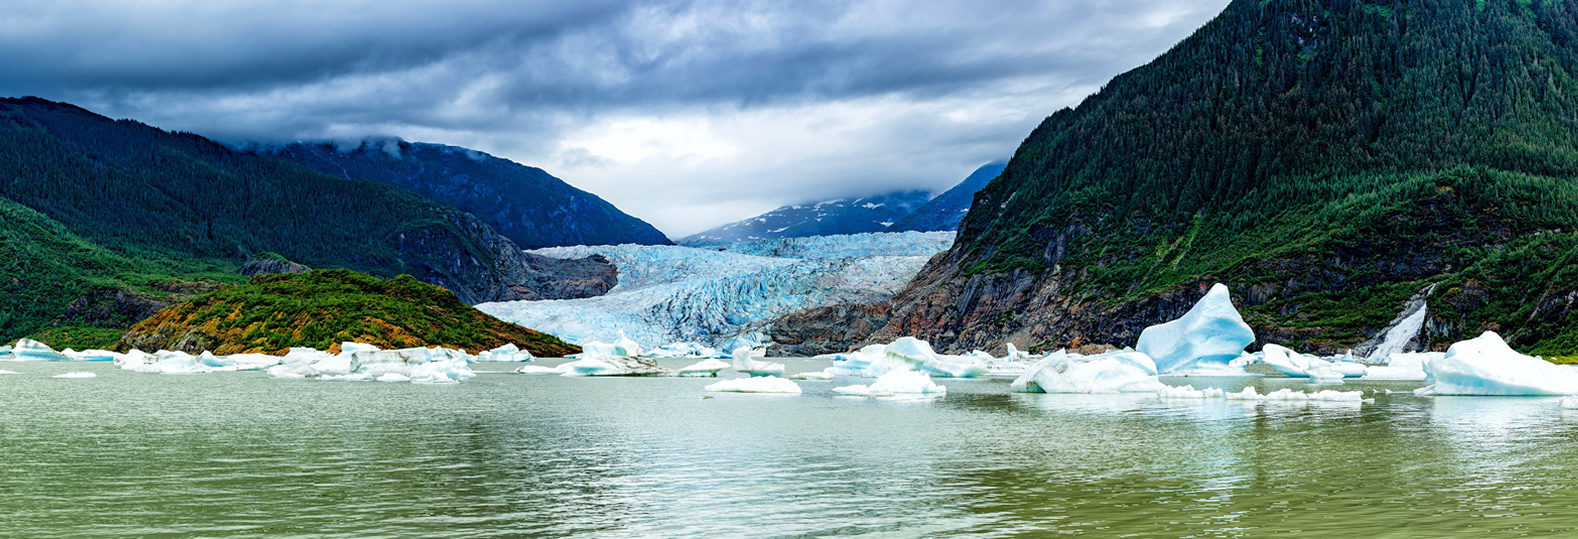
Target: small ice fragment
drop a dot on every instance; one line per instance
(76, 375)
(895, 383)
(756, 384)
(706, 368)
(392, 377)
(813, 376)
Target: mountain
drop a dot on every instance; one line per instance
(826, 218)
(946, 211)
(271, 314)
(525, 204)
(1327, 159)
(113, 219)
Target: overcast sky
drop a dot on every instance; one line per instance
(688, 114)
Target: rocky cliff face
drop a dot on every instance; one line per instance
(827, 330)
(464, 256)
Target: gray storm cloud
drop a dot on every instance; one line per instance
(686, 113)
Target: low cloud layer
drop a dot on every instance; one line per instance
(686, 113)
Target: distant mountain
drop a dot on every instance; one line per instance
(830, 217)
(105, 220)
(943, 214)
(525, 204)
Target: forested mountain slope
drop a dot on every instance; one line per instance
(525, 204)
(1325, 158)
(106, 212)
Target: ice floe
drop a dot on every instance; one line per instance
(613, 366)
(1298, 365)
(756, 384)
(1249, 394)
(1112, 372)
(451, 371)
(1570, 403)
(89, 355)
(746, 363)
(76, 375)
(1203, 342)
(906, 353)
(1189, 392)
(895, 383)
(703, 369)
(540, 370)
(3, 372)
(1486, 366)
(31, 350)
(813, 376)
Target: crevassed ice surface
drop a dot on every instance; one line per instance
(239, 455)
(669, 294)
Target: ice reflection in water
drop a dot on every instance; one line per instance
(238, 455)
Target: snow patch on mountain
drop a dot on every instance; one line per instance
(670, 294)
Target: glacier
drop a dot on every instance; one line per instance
(671, 294)
(1205, 341)
(1486, 366)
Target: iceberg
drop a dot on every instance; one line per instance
(623, 347)
(541, 370)
(906, 353)
(179, 363)
(353, 377)
(869, 362)
(903, 382)
(1486, 366)
(1189, 392)
(89, 355)
(3, 372)
(1203, 342)
(746, 364)
(1570, 403)
(756, 384)
(347, 348)
(1298, 365)
(1249, 394)
(611, 366)
(814, 376)
(706, 368)
(686, 350)
(509, 353)
(392, 377)
(1112, 372)
(451, 371)
(31, 350)
(1404, 366)
(76, 375)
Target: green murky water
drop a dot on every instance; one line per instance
(241, 455)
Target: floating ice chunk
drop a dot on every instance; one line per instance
(756, 384)
(686, 350)
(746, 364)
(509, 353)
(353, 377)
(613, 366)
(813, 376)
(895, 383)
(1487, 366)
(1298, 365)
(252, 362)
(920, 356)
(1404, 366)
(89, 355)
(392, 377)
(208, 359)
(382, 362)
(31, 350)
(347, 348)
(704, 369)
(869, 362)
(541, 370)
(1249, 394)
(76, 375)
(3, 372)
(1014, 354)
(441, 372)
(1204, 341)
(332, 365)
(1570, 403)
(1189, 392)
(180, 363)
(1112, 372)
(624, 347)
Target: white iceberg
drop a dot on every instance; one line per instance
(906, 353)
(451, 371)
(392, 377)
(612, 366)
(623, 347)
(4, 372)
(1404, 366)
(31, 350)
(89, 355)
(745, 363)
(756, 384)
(541, 370)
(347, 348)
(869, 362)
(1298, 365)
(704, 369)
(1486, 366)
(353, 377)
(1189, 392)
(1249, 394)
(75, 375)
(1570, 403)
(509, 353)
(179, 363)
(815, 376)
(1112, 372)
(895, 383)
(1203, 342)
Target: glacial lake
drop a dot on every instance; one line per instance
(506, 455)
